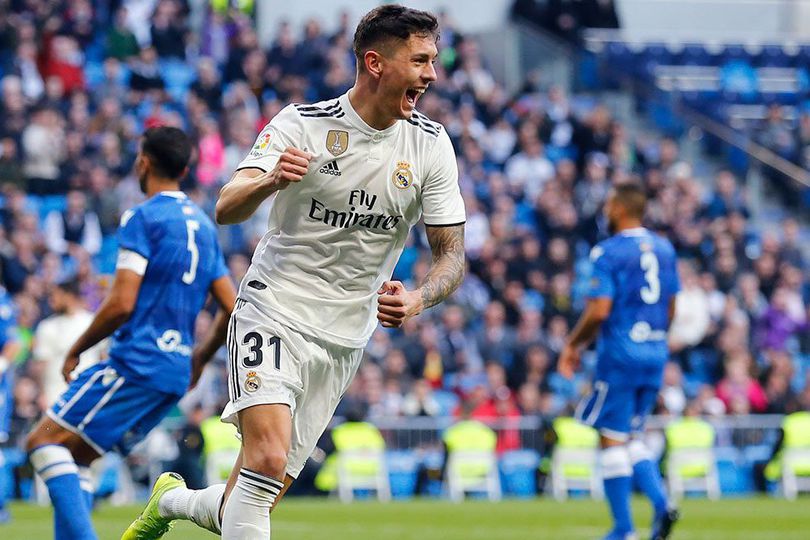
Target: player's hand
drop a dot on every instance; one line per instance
(569, 361)
(291, 167)
(396, 304)
(67, 368)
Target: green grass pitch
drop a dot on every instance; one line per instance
(307, 519)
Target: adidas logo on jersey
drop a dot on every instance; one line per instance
(330, 168)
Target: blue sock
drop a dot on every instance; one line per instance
(86, 483)
(618, 483)
(647, 476)
(55, 465)
(3, 476)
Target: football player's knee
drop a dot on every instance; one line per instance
(270, 462)
(38, 437)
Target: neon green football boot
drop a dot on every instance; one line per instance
(150, 525)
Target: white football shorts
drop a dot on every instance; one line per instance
(269, 363)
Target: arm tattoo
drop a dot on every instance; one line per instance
(447, 270)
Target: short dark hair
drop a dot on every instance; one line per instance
(169, 149)
(71, 286)
(392, 21)
(632, 197)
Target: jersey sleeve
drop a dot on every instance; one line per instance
(132, 234)
(442, 203)
(282, 131)
(601, 284)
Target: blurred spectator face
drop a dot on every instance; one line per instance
(453, 318)
(687, 274)
(8, 149)
(537, 359)
(790, 231)
(76, 202)
(530, 249)
(496, 375)
(557, 327)
(726, 184)
(395, 363)
(765, 266)
(529, 398)
(494, 315)
(558, 251)
(54, 88)
(58, 300)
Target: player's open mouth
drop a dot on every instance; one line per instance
(412, 95)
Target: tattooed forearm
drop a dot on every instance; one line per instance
(447, 270)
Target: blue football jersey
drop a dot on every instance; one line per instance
(637, 270)
(8, 332)
(153, 348)
(8, 320)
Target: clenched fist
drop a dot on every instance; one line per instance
(396, 304)
(291, 167)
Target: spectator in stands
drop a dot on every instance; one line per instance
(726, 198)
(778, 325)
(146, 77)
(496, 341)
(43, 150)
(691, 321)
(54, 336)
(167, 30)
(420, 401)
(11, 172)
(739, 392)
(75, 227)
(120, 41)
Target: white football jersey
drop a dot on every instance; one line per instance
(335, 237)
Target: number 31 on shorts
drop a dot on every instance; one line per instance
(256, 342)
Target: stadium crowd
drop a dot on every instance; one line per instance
(80, 80)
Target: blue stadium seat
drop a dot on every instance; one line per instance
(695, 54)
(519, 472)
(619, 56)
(48, 203)
(403, 467)
(734, 52)
(739, 82)
(654, 55)
(178, 77)
(773, 56)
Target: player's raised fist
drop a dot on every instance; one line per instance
(291, 167)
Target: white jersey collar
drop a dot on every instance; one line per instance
(175, 194)
(635, 231)
(358, 123)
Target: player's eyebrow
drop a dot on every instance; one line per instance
(422, 56)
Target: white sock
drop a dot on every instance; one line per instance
(201, 506)
(247, 512)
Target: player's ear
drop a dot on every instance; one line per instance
(373, 63)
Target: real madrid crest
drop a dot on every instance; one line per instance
(337, 141)
(402, 177)
(252, 382)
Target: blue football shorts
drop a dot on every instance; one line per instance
(108, 412)
(618, 405)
